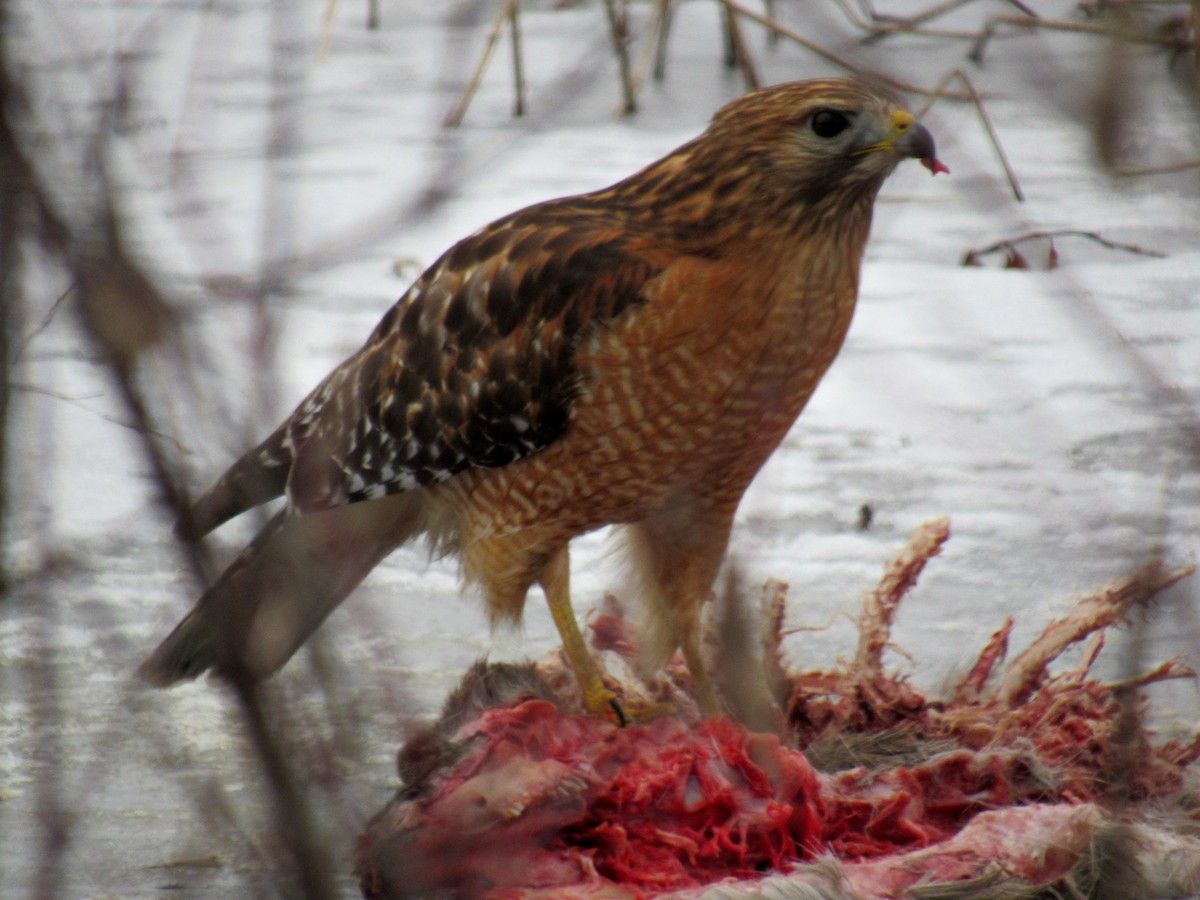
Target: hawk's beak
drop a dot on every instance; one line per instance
(909, 138)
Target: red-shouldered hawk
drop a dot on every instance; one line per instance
(627, 356)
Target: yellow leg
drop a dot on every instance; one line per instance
(556, 582)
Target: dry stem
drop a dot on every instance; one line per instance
(618, 26)
(1127, 35)
(834, 58)
(455, 116)
(971, 257)
(984, 118)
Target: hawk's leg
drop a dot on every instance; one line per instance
(678, 554)
(689, 641)
(556, 582)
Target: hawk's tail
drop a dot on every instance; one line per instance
(281, 588)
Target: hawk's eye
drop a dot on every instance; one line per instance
(829, 123)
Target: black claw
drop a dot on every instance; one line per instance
(620, 713)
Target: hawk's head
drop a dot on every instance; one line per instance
(791, 158)
(822, 137)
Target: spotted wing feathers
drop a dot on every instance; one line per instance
(472, 367)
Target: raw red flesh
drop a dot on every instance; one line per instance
(658, 806)
(527, 800)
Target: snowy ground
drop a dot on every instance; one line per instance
(1053, 414)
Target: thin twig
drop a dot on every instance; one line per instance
(373, 22)
(1009, 243)
(11, 307)
(987, 125)
(326, 29)
(518, 60)
(12, 302)
(1122, 34)
(662, 25)
(1098, 7)
(884, 27)
(20, 349)
(277, 239)
(618, 26)
(832, 57)
(738, 51)
(1167, 169)
(933, 12)
(772, 36)
(653, 56)
(79, 402)
(293, 819)
(455, 116)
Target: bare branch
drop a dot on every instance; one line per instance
(618, 26)
(832, 57)
(987, 125)
(455, 116)
(972, 256)
(1132, 36)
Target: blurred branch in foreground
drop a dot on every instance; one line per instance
(10, 301)
(124, 316)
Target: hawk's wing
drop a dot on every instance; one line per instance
(473, 366)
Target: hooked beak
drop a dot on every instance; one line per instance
(909, 138)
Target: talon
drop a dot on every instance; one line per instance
(615, 706)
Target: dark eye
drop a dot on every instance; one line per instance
(829, 123)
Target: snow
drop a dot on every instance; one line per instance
(1052, 414)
